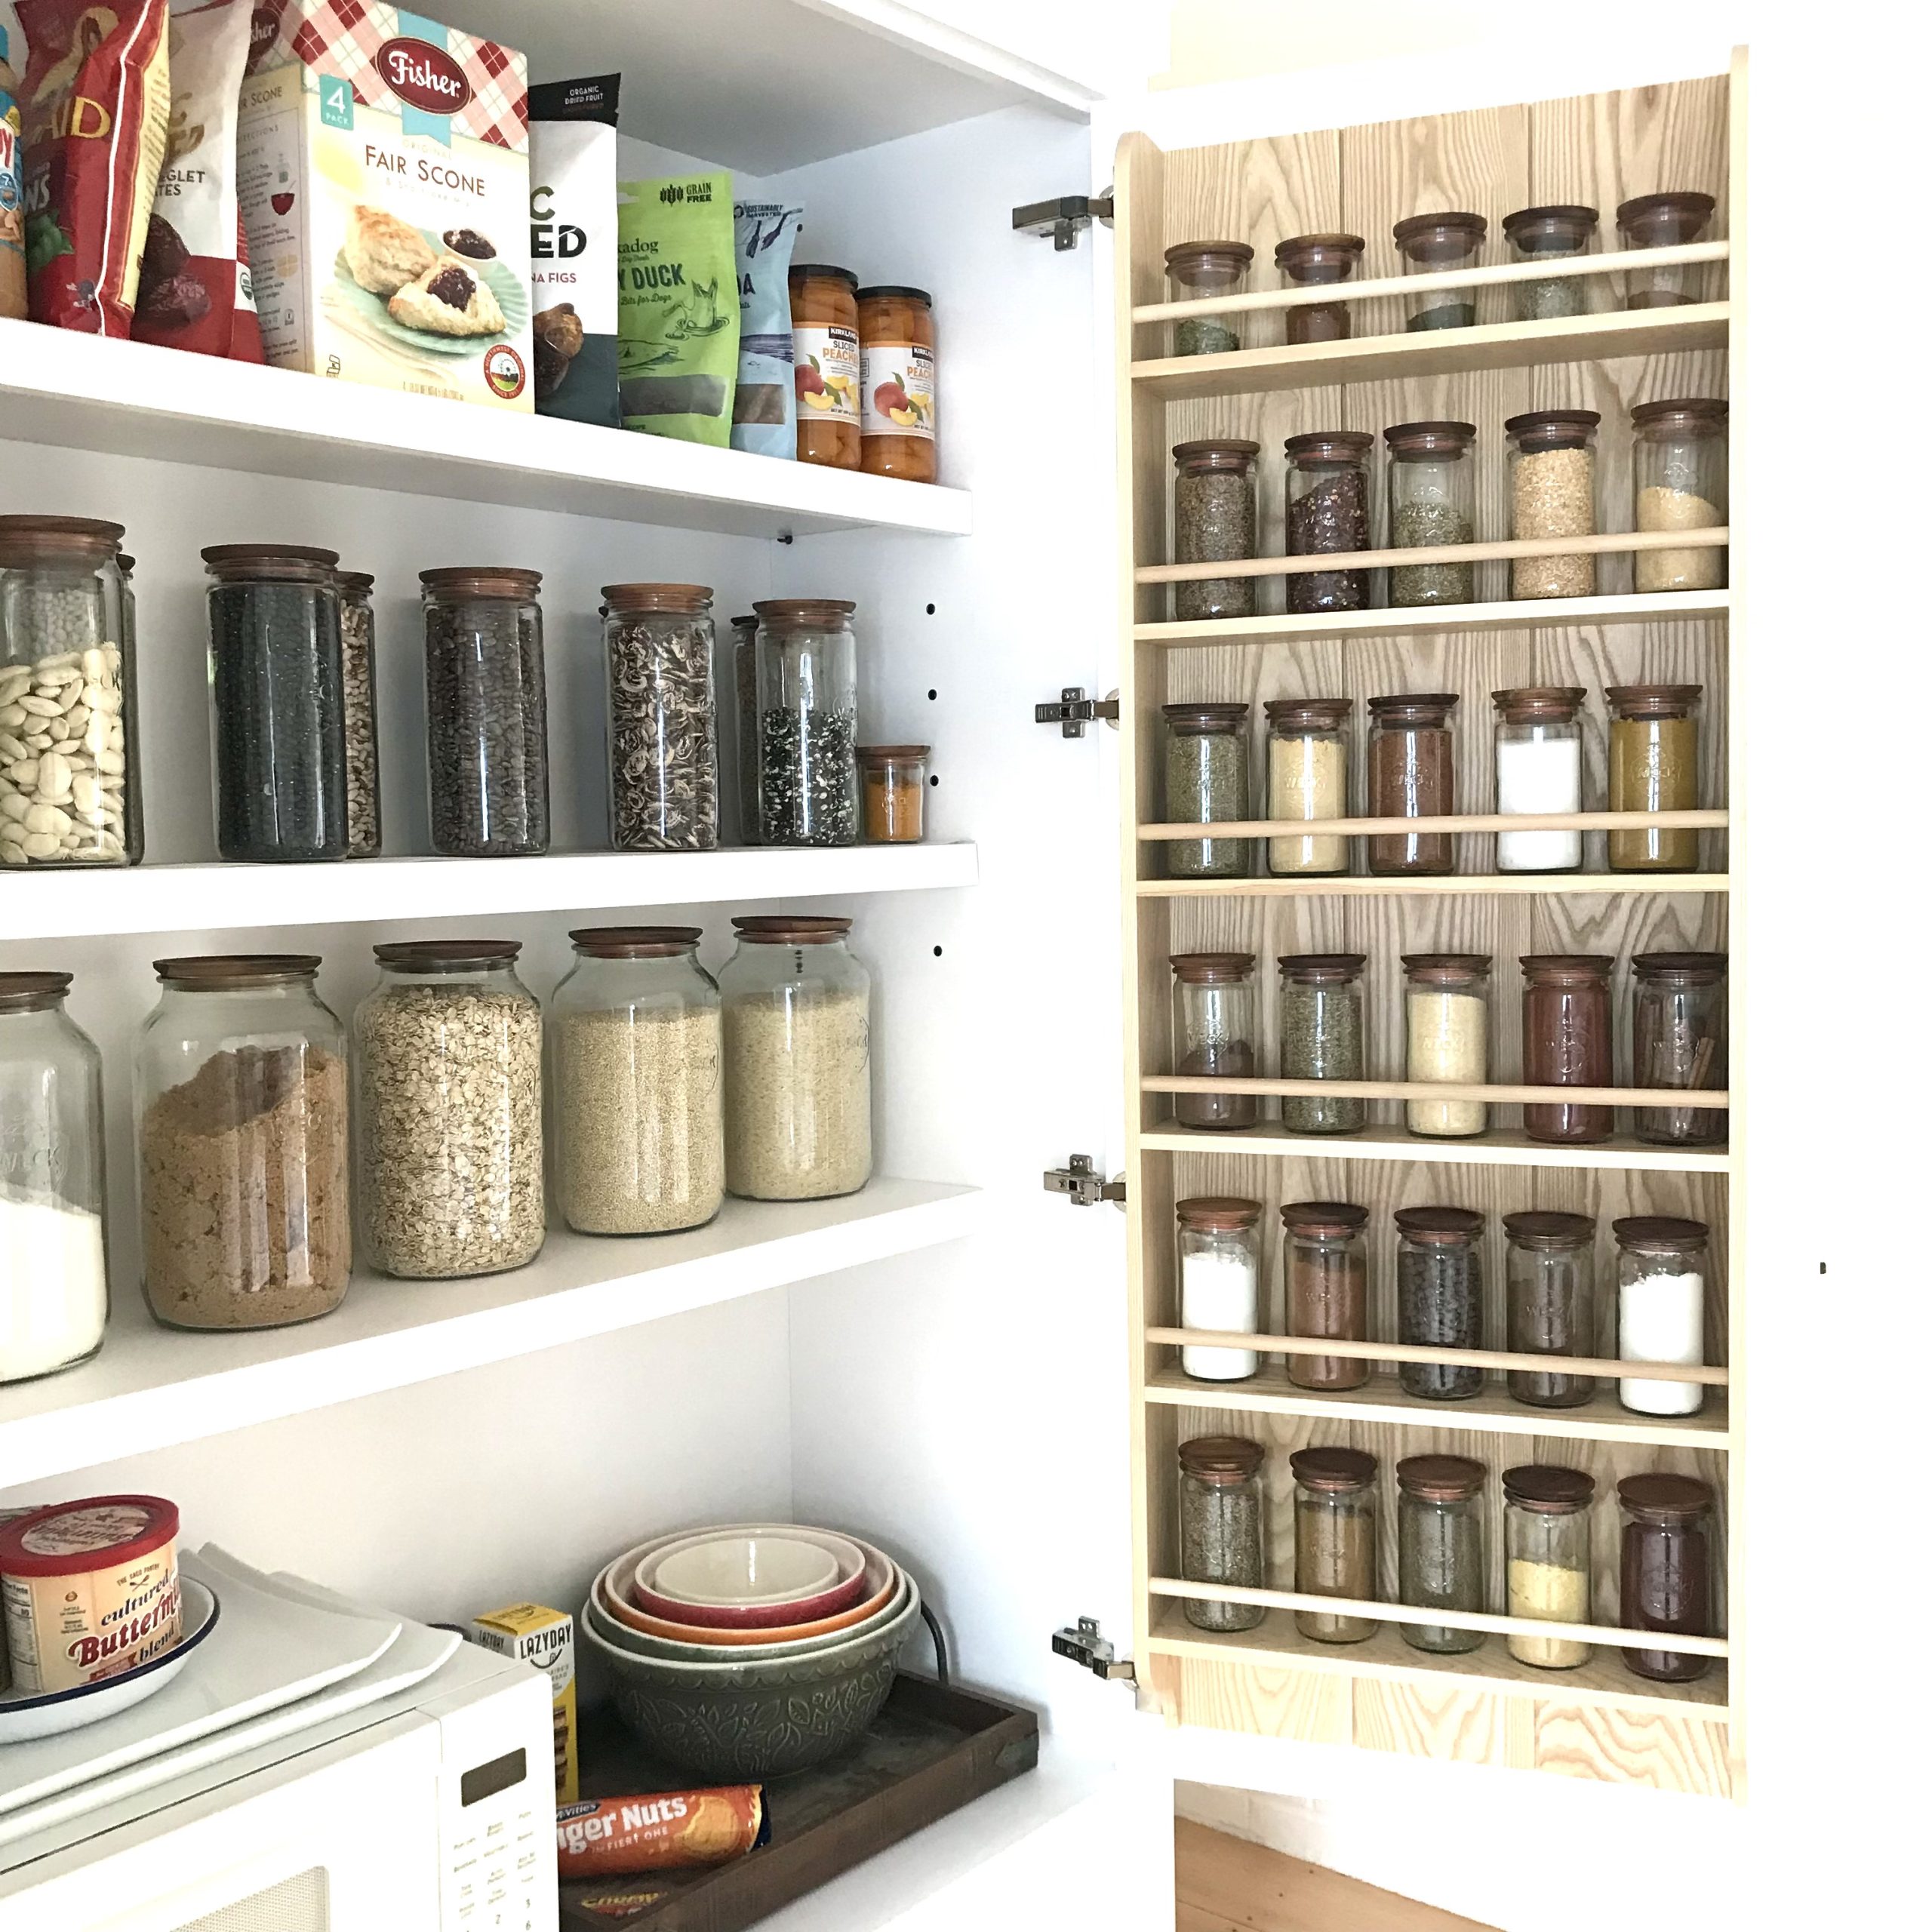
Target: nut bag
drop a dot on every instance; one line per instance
(677, 307)
(574, 248)
(765, 417)
(94, 114)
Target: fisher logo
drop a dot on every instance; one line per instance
(421, 75)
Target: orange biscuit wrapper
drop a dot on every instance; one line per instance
(660, 1830)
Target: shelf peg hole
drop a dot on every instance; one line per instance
(938, 952)
(933, 695)
(932, 610)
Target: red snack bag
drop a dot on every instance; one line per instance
(660, 1830)
(94, 114)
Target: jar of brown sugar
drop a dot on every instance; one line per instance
(1324, 1269)
(1566, 1043)
(826, 363)
(1312, 261)
(1334, 1539)
(892, 787)
(1411, 774)
(1653, 768)
(899, 386)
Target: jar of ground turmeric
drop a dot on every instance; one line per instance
(892, 779)
(1653, 768)
(899, 394)
(825, 352)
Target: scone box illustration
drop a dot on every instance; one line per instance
(383, 167)
(546, 1639)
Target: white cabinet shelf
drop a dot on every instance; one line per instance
(151, 1387)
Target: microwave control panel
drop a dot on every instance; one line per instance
(499, 1812)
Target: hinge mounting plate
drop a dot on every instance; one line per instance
(1076, 711)
(1064, 217)
(1083, 1643)
(1084, 1184)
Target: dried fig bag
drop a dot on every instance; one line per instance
(573, 248)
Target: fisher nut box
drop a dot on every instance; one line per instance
(384, 166)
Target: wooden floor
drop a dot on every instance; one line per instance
(1226, 1884)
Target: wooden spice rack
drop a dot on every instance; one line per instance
(1600, 1720)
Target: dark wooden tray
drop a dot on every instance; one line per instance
(932, 1750)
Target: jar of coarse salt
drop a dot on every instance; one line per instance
(1219, 1252)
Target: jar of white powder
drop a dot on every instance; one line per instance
(1663, 1262)
(1220, 1245)
(1539, 770)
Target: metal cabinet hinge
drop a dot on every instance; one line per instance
(1083, 1643)
(1084, 1184)
(1076, 711)
(1065, 218)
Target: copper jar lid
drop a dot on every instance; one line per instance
(1333, 1468)
(1439, 1224)
(1220, 1459)
(1217, 1214)
(1548, 1490)
(1440, 1478)
(1211, 969)
(635, 942)
(1333, 1219)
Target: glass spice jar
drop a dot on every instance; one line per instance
(361, 766)
(892, 783)
(488, 717)
(1669, 220)
(1662, 1264)
(1221, 1510)
(1439, 1297)
(1653, 768)
(1664, 1576)
(744, 689)
(1328, 498)
(808, 722)
(1560, 232)
(1546, 1560)
(1566, 1043)
(899, 384)
(1215, 1033)
(1322, 1034)
(1202, 272)
(52, 1182)
(69, 767)
(1317, 261)
(1679, 470)
(826, 363)
(1434, 244)
(1549, 1284)
(1308, 778)
(276, 690)
(1440, 1563)
(1445, 1006)
(1214, 523)
(1553, 493)
(1325, 1270)
(1335, 1539)
(1207, 781)
(1411, 774)
(1432, 502)
(660, 716)
(1678, 1039)
(241, 1125)
(1218, 1244)
(1538, 750)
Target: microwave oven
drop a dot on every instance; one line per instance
(434, 1811)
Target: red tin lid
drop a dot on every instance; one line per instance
(96, 1533)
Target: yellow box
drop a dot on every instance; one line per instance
(548, 1639)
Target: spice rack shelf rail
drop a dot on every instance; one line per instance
(132, 399)
(151, 1387)
(1614, 543)
(1714, 820)
(1451, 885)
(1498, 1148)
(1499, 1095)
(1525, 614)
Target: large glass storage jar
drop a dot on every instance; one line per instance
(1216, 1030)
(1550, 1277)
(1653, 768)
(1411, 774)
(637, 1125)
(489, 742)
(1206, 772)
(70, 772)
(892, 781)
(797, 1061)
(1322, 1038)
(52, 1182)
(1202, 272)
(661, 717)
(1663, 1262)
(1327, 498)
(361, 763)
(1553, 493)
(744, 690)
(1218, 1244)
(1558, 233)
(1214, 523)
(1431, 504)
(1221, 1532)
(241, 1128)
(827, 362)
(1445, 1004)
(274, 685)
(899, 384)
(1335, 1539)
(1439, 1297)
(1440, 1562)
(1671, 220)
(1308, 778)
(1317, 261)
(1546, 1559)
(449, 1092)
(1678, 1039)
(1566, 1043)
(1433, 245)
(1664, 1573)
(1324, 1271)
(1680, 471)
(1538, 770)
(807, 722)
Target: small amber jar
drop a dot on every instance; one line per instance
(899, 389)
(892, 786)
(826, 365)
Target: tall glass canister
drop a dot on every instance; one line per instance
(362, 762)
(1558, 233)
(1218, 1244)
(1207, 270)
(1445, 1003)
(1216, 1034)
(1317, 261)
(1666, 1572)
(1206, 772)
(1335, 1539)
(1663, 1266)
(1441, 1563)
(1546, 1551)
(1328, 495)
(1215, 522)
(661, 717)
(1308, 778)
(1552, 495)
(1538, 772)
(1431, 505)
(1322, 1038)
(808, 722)
(1566, 1043)
(1680, 475)
(1678, 1036)
(744, 716)
(1550, 1271)
(1324, 1267)
(1653, 768)
(1439, 1297)
(1412, 774)
(1222, 1537)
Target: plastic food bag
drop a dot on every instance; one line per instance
(764, 416)
(573, 248)
(677, 307)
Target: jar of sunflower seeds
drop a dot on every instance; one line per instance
(662, 717)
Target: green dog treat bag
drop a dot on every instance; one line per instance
(677, 307)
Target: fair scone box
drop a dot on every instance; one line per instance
(547, 1639)
(383, 168)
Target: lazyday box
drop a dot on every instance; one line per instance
(546, 1639)
(384, 174)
